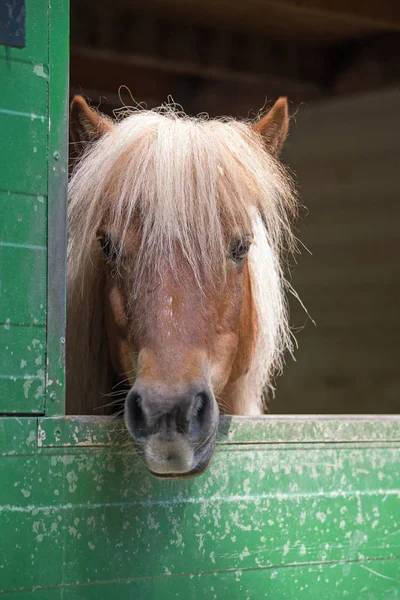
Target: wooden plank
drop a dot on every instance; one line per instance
(22, 375)
(342, 369)
(24, 220)
(384, 14)
(99, 69)
(150, 545)
(326, 22)
(18, 436)
(346, 269)
(24, 150)
(23, 284)
(339, 182)
(346, 162)
(23, 228)
(92, 432)
(24, 88)
(334, 310)
(57, 203)
(345, 128)
(260, 508)
(351, 225)
(336, 393)
(377, 580)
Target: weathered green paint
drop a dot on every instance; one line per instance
(311, 428)
(25, 224)
(57, 191)
(97, 431)
(23, 284)
(33, 199)
(59, 432)
(23, 91)
(370, 580)
(26, 168)
(17, 436)
(268, 518)
(23, 202)
(22, 375)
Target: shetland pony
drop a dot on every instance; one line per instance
(177, 231)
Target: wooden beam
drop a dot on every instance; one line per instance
(215, 89)
(97, 62)
(383, 14)
(322, 21)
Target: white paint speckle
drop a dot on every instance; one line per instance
(152, 523)
(38, 70)
(244, 554)
(27, 386)
(286, 548)
(72, 478)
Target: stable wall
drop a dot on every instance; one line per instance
(346, 156)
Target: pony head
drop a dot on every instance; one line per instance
(176, 231)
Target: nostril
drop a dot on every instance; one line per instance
(201, 416)
(200, 410)
(136, 417)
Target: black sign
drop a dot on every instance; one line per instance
(12, 23)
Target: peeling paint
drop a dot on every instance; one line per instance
(38, 69)
(227, 523)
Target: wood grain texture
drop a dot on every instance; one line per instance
(346, 159)
(22, 372)
(325, 20)
(24, 123)
(268, 520)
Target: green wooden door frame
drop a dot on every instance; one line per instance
(33, 201)
(23, 227)
(57, 204)
(88, 431)
(291, 508)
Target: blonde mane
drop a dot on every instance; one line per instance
(189, 180)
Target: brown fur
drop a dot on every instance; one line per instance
(201, 334)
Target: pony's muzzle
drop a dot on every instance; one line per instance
(176, 430)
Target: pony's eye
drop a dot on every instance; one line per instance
(240, 248)
(107, 245)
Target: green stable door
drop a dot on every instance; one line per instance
(291, 508)
(33, 178)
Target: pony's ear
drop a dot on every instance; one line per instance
(274, 126)
(86, 125)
